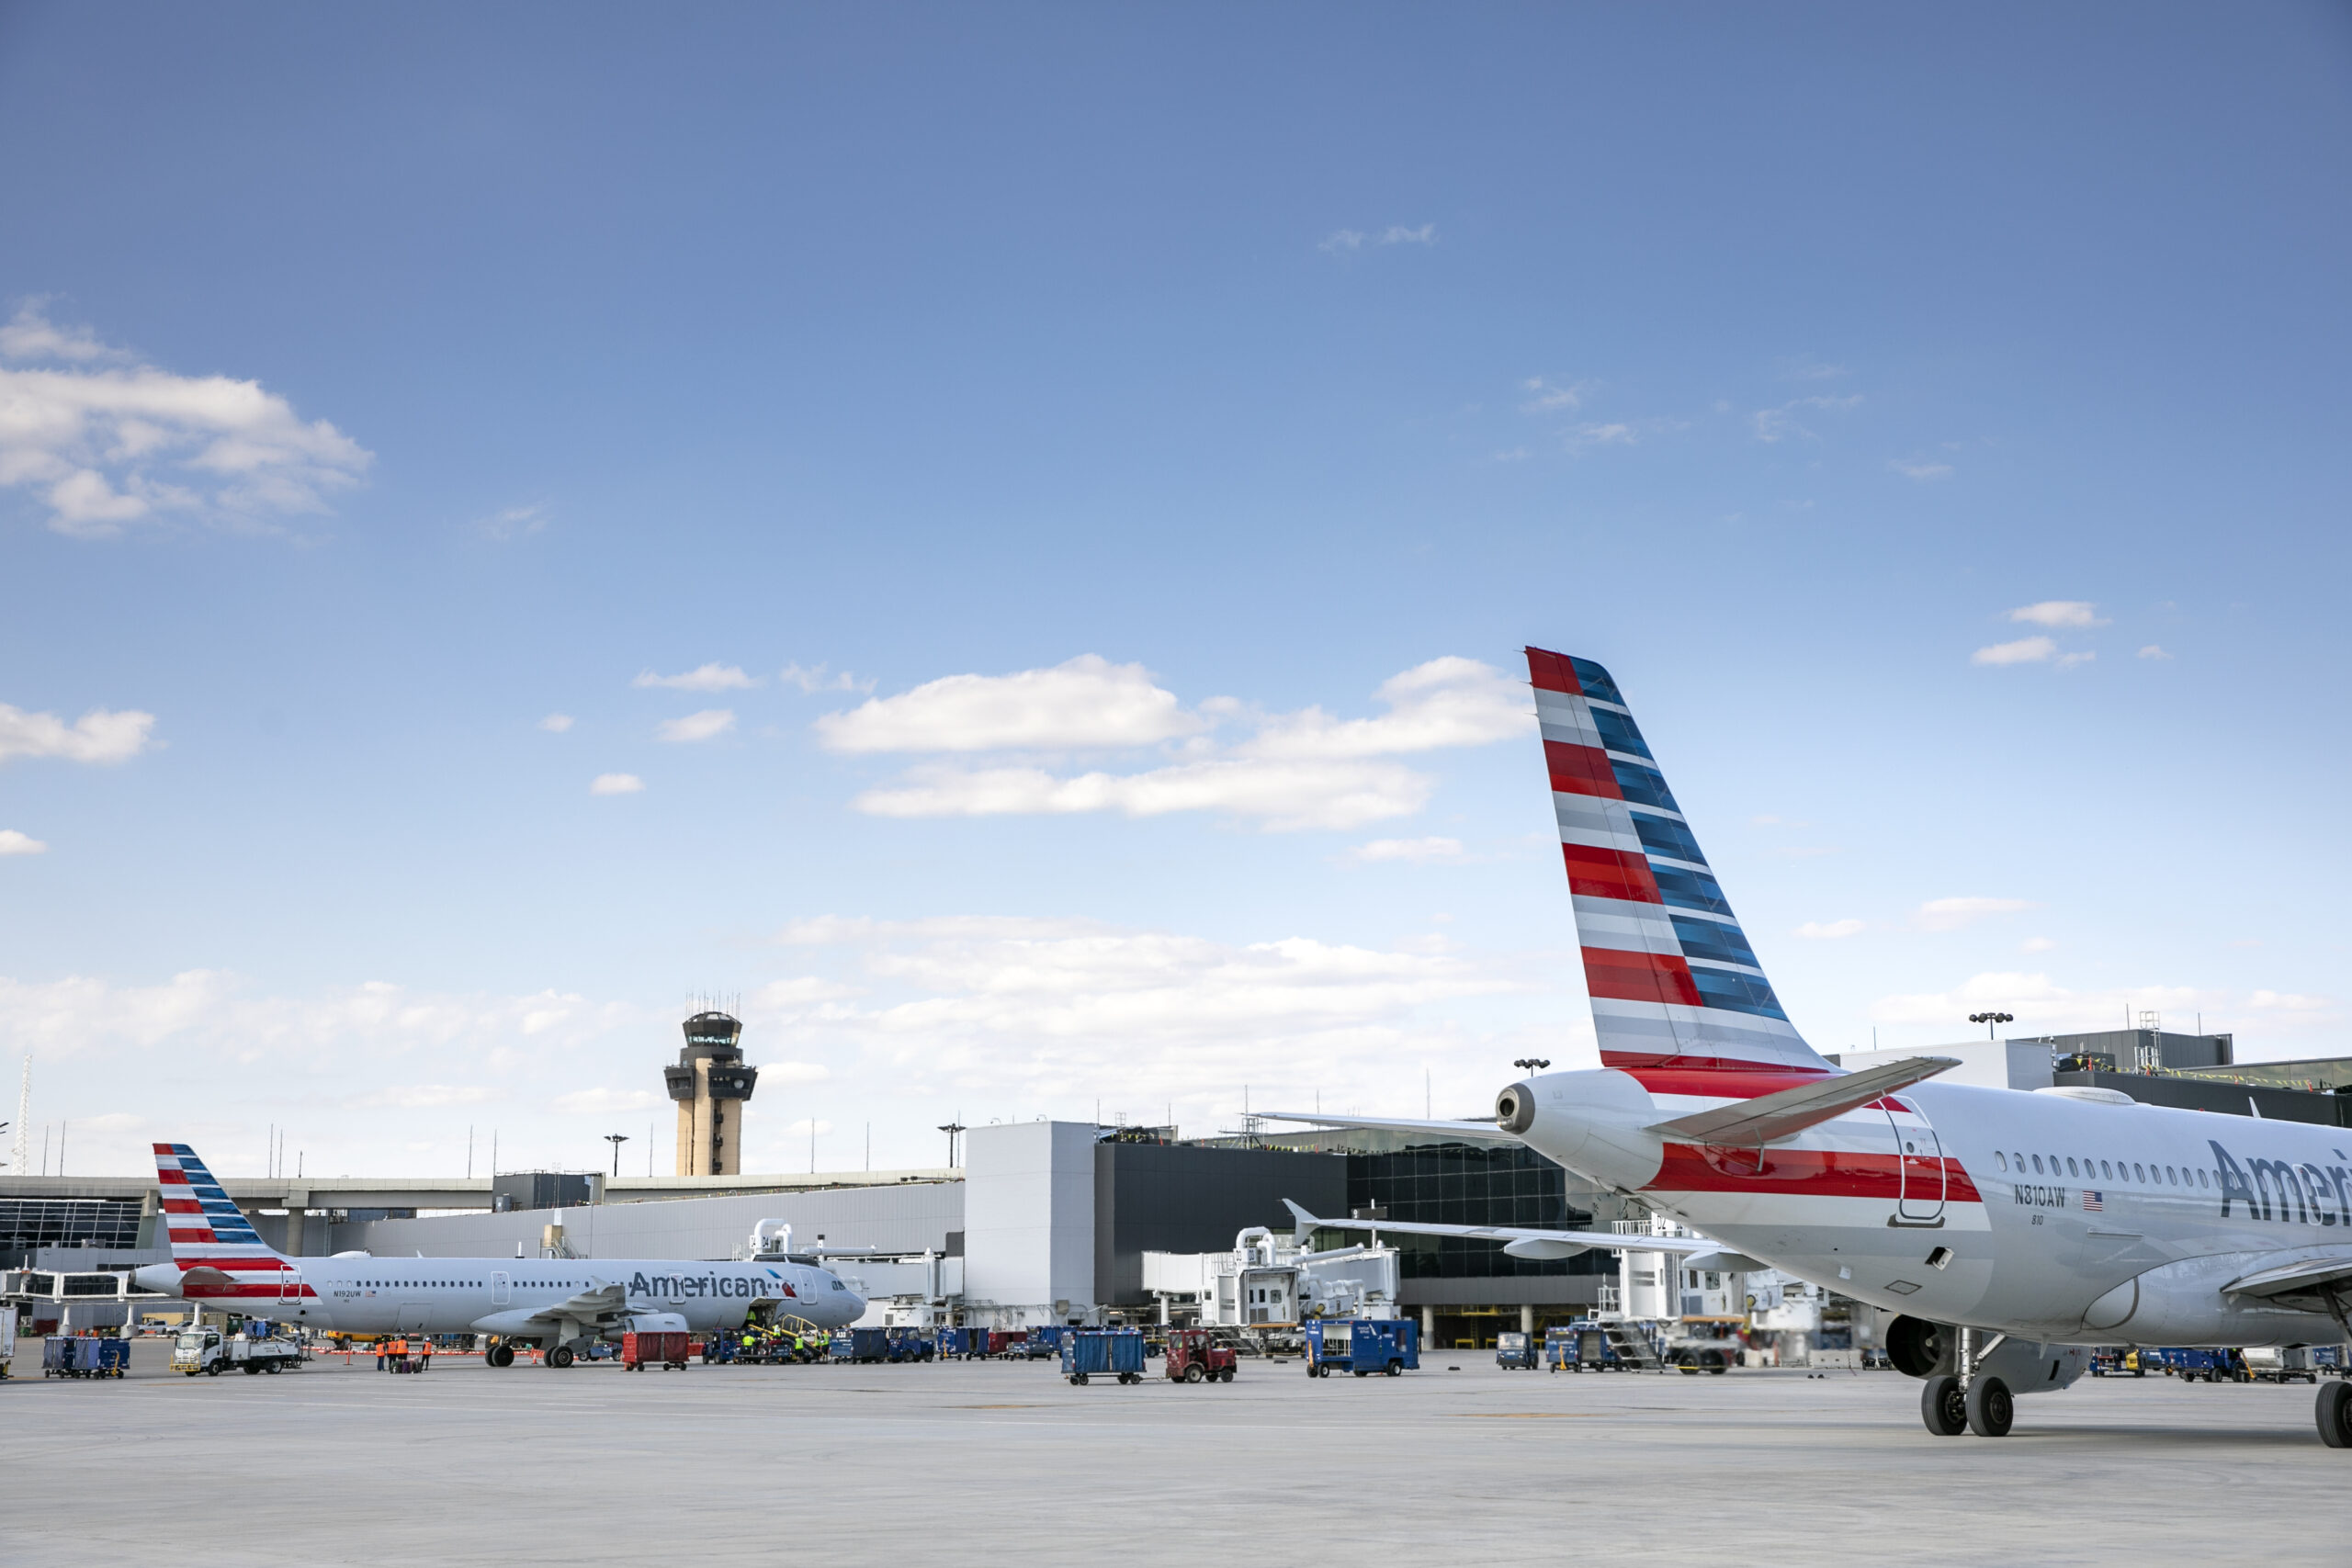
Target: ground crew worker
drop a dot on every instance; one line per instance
(427, 1348)
(380, 1355)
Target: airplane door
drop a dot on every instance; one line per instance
(501, 1287)
(1919, 1157)
(290, 1285)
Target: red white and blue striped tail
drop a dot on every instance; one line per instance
(1674, 985)
(209, 1231)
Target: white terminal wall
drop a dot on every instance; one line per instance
(1029, 1221)
(908, 1217)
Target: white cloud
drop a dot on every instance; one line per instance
(1027, 1007)
(2042, 1004)
(711, 677)
(105, 441)
(2154, 651)
(2036, 944)
(1306, 769)
(608, 1101)
(556, 723)
(1777, 424)
(1951, 914)
(1086, 704)
(697, 726)
(816, 679)
(1548, 398)
(1288, 794)
(514, 522)
(1830, 930)
(1343, 241)
(793, 1073)
(1421, 852)
(2068, 661)
(1445, 702)
(1920, 468)
(615, 784)
(2025, 650)
(96, 737)
(2289, 1001)
(2058, 612)
(422, 1096)
(13, 843)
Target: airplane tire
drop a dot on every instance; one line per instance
(2335, 1412)
(1991, 1407)
(1944, 1407)
(559, 1357)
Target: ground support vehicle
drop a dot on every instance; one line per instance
(2213, 1366)
(662, 1348)
(1589, 1345)
(7, 1339)
(79, 1356)
(905, 1345)
(2109, 1361)
(1192, 1356)
(961, 1344)
(1363, 1346)
(860, 1345)
(2282, 1363)
(1103, 1352)
(209, 1351)
(1517, 1352)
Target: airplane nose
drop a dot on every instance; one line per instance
(1515, 1108)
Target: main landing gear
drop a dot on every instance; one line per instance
(1971, 1402)
(559, 1357)
(2336, 1414)
(500, 1355)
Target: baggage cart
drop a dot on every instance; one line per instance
(666, 1350)
(1103, 1352)
(860, 1345)
(905, 1345)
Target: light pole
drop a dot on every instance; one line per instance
(1532, 1063)
(616, 1140)
(1989, 1019)
(954, 1130)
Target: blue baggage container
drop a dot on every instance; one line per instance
(114, 1357)
(861, 1345)
(1103, 1352)
(1363, 1345)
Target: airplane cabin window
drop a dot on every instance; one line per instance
(2200, 1179)
(2105, 1170)
(2037, 1164)
(2000, 1160)
(2139, 1174)
(2170, 1177)
(2070, 1167)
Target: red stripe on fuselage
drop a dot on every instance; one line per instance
(1806, 1173)
(1610, 874)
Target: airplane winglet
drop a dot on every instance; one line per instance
(1304, 1222)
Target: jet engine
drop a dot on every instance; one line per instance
(1921, 1350)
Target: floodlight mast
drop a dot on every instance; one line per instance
(1989, 1019)
(616, 1140)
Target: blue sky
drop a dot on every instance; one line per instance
(1229, 394)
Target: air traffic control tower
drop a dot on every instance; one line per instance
(710, 1084)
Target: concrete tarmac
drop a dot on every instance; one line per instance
(997, 1462)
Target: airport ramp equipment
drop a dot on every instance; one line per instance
(1390, 1346)
(1103, 1352)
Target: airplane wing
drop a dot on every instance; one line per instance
(1487, 1130)
(2322, 1283)
(1533, 1242)
(600, 1308)
(1769, 1118)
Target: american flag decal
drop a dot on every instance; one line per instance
(2091, 1202)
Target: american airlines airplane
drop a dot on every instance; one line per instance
(560, 1304)
(2011, 1230)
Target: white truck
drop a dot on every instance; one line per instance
(211, 1352)
(7, 1338)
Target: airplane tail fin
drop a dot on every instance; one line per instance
(1675, 985)
(207, 1228)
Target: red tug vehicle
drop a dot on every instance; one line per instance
(1193, 1357)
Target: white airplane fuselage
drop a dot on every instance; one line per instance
(496, 1295)
(2038, 1214)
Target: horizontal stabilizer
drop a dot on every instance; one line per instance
(1482, 1129)
(1769, 1118)
(1548, 1244)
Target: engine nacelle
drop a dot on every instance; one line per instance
(1923, 1350)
